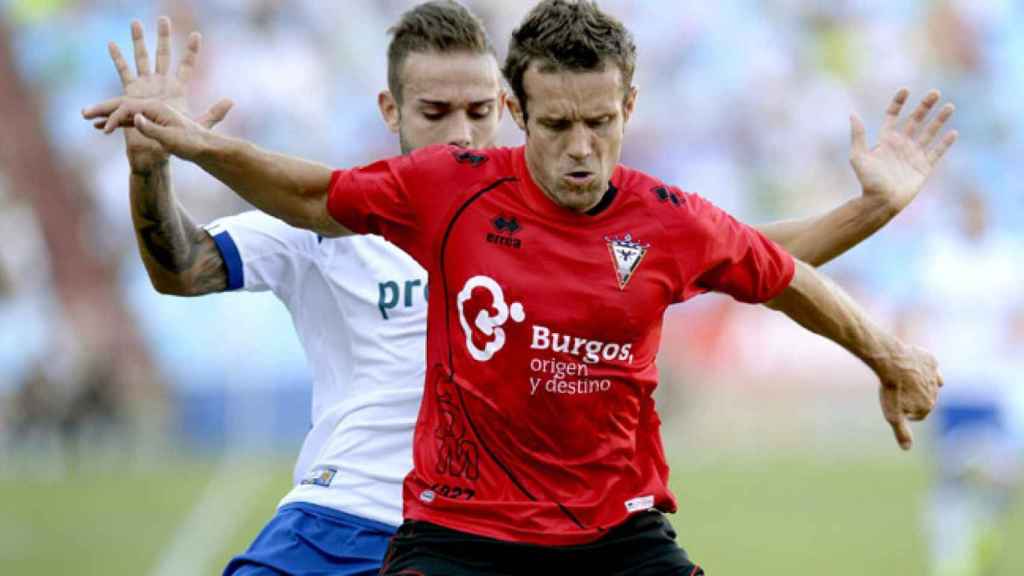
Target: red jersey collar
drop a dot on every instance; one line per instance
(539, 202)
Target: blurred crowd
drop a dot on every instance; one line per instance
(745, 102)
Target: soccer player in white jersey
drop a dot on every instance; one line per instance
(973, 317)
(363, 333)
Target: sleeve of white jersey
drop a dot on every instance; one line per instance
(262, 253)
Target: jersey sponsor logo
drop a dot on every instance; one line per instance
(591, 351)
(626, 257)
(392, 294)
(506, 227)
(319, 477)
(571, 378)
(484, 333)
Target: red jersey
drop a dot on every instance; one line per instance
(537, 423)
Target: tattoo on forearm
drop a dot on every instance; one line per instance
(170, 239)
(167, 237)
(210, 274)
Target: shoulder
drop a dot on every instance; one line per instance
(670, 204)
(451, 161)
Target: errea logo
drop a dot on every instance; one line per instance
(484, 323)
(505, 229)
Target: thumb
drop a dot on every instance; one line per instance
(901, 429)
(858, 138)
(215, 114)
(151, 129)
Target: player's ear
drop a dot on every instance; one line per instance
(389, 110)
(517, 112)
(629, 104)
(502, 101)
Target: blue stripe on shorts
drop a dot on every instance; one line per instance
(306, 539)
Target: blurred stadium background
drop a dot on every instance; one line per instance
(143, 434)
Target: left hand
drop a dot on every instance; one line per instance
(156, 86)
(895, 170)
(910, 382)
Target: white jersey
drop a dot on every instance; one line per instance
(359, 307)
(973, 291)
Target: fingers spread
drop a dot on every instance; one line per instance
(892, 113)
(163, 45)
(858, 137)
(936, 153)
(120, 117)
(921, 112)
(936, 125)
(104, 108)
(216, 113)
(141, 56)
(119, 62)
(188, 62)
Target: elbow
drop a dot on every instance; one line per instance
(171, 286)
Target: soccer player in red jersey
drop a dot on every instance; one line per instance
(537, 445)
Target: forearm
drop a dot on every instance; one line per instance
(292, 189)
(819, 239)
(180, 257)
(820, 306)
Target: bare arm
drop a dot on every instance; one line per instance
(180, 257)
(820, 239)
(909, 376)
(292, 189)
(891, 174)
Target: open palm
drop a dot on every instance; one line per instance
(907, 152)
(144, 154)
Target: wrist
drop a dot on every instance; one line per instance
(147, 169)
(880, 205)
(885, 358)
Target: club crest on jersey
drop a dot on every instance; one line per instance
(626, 257)
(319, 477)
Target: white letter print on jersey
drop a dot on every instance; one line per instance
(484, 322)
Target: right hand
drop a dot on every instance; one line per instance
(910, 382)
(145, 154)
(170, 131)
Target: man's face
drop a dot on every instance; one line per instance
(452, 98)
(574, 131)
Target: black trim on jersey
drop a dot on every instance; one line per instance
(451, 350)
(606, 200)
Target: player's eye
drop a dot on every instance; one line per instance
(599, 122)
(555, 125)
(433, 115)
(480, 113)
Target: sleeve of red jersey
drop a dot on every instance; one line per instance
(717, 253)
(392, 198)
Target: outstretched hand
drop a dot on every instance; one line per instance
(170, 131)
(145, 88)
(907, 152)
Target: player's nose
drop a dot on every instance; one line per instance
(579, 146)
(460, 133)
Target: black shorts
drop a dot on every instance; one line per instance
(645, 545)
